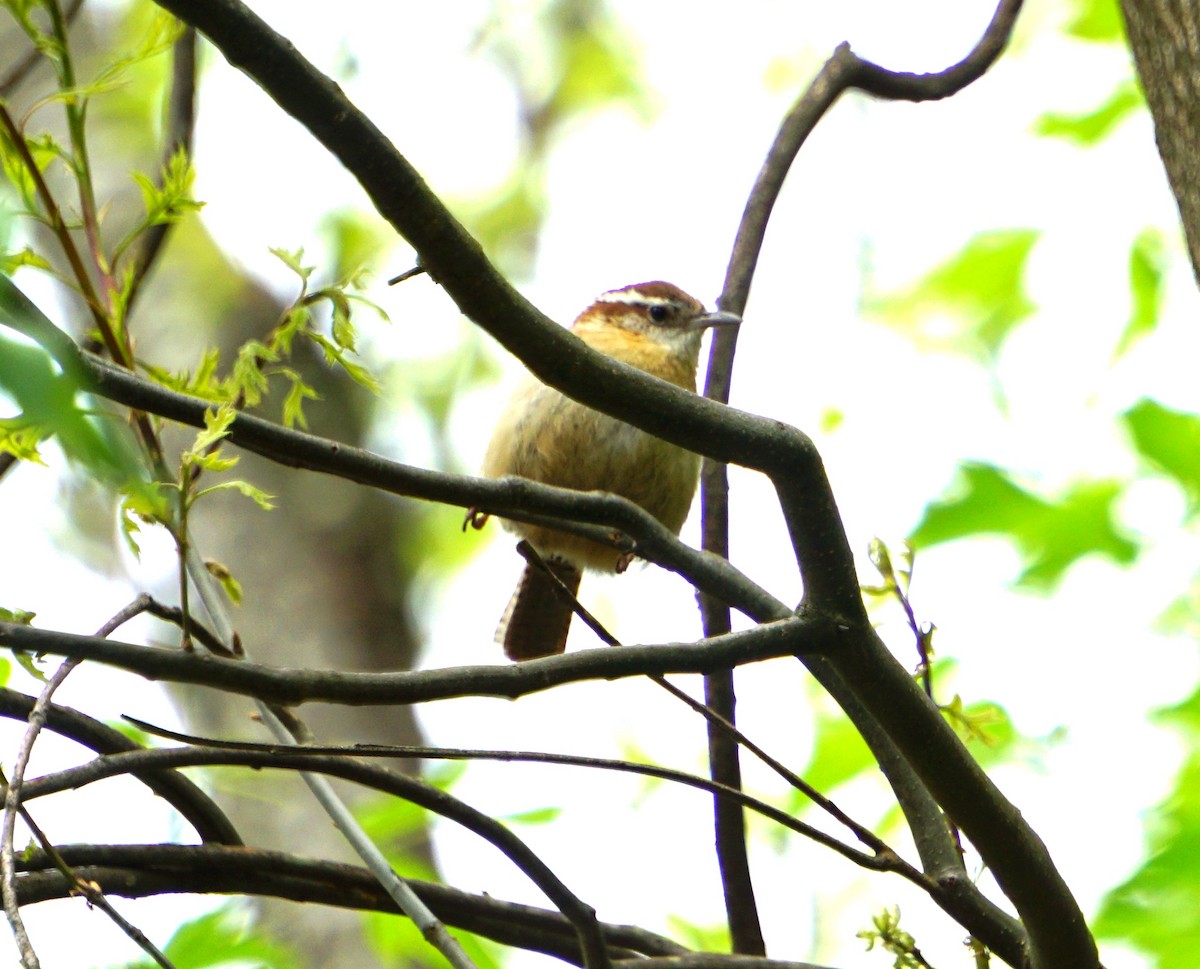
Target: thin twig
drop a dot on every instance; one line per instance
(717, 722)
(194, 806)
(12, 807)
(180, 127)
(884, 860)
(23, 67)
(1009, 846)
(285, 757)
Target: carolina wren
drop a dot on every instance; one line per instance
(550, 438)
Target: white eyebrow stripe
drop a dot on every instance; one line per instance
(634, 297)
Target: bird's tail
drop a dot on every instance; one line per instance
(539, 613)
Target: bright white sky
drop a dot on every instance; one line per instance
(897, 186)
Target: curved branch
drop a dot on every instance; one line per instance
(290, 687)
(580, 915)
(883, 859)
(1058, 933)
(137, 871)
(196, 807)
(514, 498)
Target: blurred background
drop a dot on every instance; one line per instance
(981, 309)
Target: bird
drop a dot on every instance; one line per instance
(545, 436)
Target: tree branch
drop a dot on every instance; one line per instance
(515, 498)
(580, 915)
(196, 807)
(1059, 937)
(136, 871)
(882, 858)
(290, 687)
(1166, 50)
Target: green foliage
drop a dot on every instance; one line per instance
(166, 201)
(507, 224)
(534, 816)
(1157, 909)
(839, 754)
(887, 934)
(1147, 276)
(29, 663)
(1094, 126)
(205, 455)
(981, 290)
(48, 408)
(223, 939)
(984, 723)
(573, 58)
(399, 825)
(595, 66)
(1170, 441)
(700, 938)
(396, 942)
(1098, 21)
(1182, 616)
(356, 241)
(220, 572)
(258, 361)
(1050, 534)
(340, 345)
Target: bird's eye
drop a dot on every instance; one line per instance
(660, 313)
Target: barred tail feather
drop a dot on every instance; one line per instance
(538, 616)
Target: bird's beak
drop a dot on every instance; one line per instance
(707, 320)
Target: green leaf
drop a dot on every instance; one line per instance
(1182, 615)
(213, 461)
(1170, 441)
(1157, 910)
(232, 587)
(334, 354)
(217, 422)
(223, 938)
(47, 401)
(980, 293)
(20, 438)
(839, 754)
(1093, 126)
(1050, 534)
(257, 495)
(507, 223)
(293, 259)
(166, 201)
(203, 382)
(984, 725)
(17, 616)
(28, 662)
(42, 150)
(355, 239)
(1147, 272)
(1098, 21)
(293, 402)
(700, 938)
(10, 262)
(248, 379)
(543, 815)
